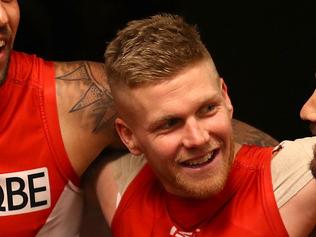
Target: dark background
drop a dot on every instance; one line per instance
(265, 50)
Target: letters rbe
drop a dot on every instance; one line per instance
(24, 191)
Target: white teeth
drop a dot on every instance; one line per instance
(2, 43)
(200, 161)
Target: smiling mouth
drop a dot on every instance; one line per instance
(2, 44)
(197, 163)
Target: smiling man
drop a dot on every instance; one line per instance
(197, 137)
(174, 109)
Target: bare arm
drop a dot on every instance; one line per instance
(85, 109)
(299, 214)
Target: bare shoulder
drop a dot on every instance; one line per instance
(85, 109)
(82, 70)
(247, 134)
(83, 91)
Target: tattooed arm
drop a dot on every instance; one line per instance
(85, 110)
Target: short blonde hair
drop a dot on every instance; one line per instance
(152, 50)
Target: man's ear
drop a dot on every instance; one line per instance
(127, 137)
(226, 97)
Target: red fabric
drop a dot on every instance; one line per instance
(246, 206)
(31, 151)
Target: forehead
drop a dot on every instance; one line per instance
(12, 6)
(187, 90)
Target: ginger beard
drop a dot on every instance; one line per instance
(191, 187)
(211, 185)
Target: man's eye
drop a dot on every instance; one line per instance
(169, 124)
(207, 108)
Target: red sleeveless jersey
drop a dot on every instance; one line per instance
(246, 206)
(37, 182)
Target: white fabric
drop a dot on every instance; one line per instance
(290, 168)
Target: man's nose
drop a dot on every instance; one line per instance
(308, 111)
(3, 15)
(194, 134)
